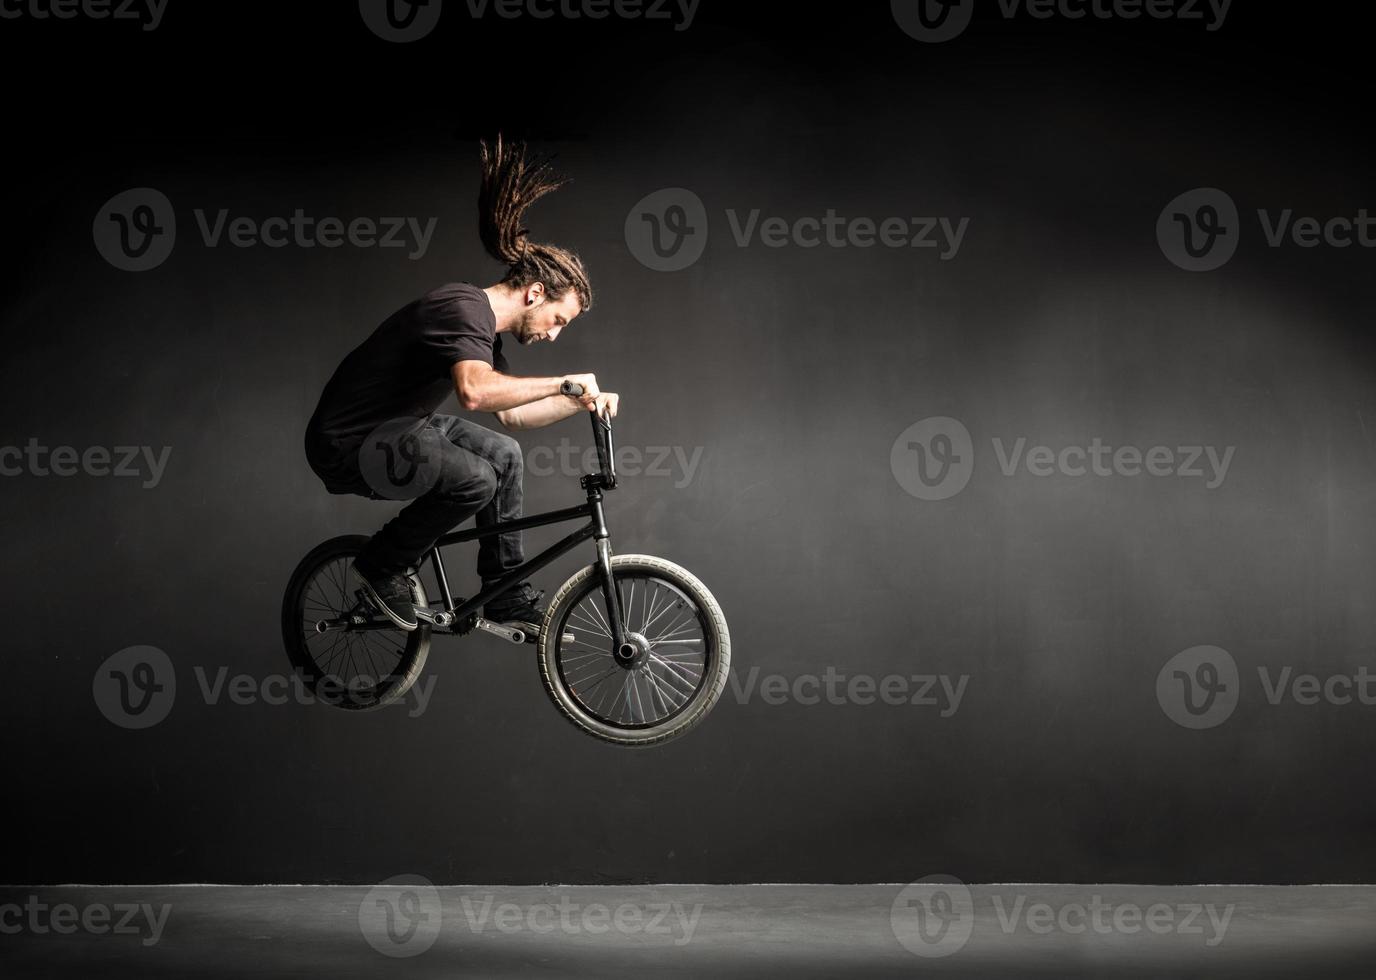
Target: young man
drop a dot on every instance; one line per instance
(375, 431)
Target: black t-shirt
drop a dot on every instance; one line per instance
(403, 369)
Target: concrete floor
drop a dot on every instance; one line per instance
(795, 931)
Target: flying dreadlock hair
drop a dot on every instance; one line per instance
(511, 184)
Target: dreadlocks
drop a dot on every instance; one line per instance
(510, 185)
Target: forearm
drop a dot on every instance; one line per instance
(495, 392)
(546, 411)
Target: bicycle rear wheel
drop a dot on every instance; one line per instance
(354, 669)
(679, 673)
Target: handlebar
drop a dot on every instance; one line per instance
(575, 389)
(602, 437)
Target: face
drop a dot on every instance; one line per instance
(543, 318)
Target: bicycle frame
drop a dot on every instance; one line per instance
(596, 528)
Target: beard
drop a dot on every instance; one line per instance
(524, 327)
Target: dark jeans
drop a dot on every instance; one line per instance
(450, 469)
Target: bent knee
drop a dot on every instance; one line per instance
(507, 458)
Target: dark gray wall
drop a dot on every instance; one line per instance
(1060, 320)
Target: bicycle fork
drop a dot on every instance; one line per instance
(625, 649)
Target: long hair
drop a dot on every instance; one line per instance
(510, 185)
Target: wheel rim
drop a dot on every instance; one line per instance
(359, 662)
(664, 682)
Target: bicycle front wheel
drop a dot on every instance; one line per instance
(679, 672)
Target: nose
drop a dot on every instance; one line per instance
(554, 333)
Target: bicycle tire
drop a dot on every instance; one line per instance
(715, 670)
(388, 688)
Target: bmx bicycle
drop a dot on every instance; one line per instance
(633, 649)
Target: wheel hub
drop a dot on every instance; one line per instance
(633, 652)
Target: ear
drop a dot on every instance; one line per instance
(535, 292)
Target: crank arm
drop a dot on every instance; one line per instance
(514, 634)
(508, 633)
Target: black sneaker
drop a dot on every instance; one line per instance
(518, 606)
(392, 595)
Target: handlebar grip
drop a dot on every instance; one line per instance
(570, 388)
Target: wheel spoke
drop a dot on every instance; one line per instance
(667, 606)
(592, 625)
(601, 619)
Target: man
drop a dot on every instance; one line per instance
(377, 414)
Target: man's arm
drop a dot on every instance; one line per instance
(544, 412)
(481, 388)
(557, 407)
